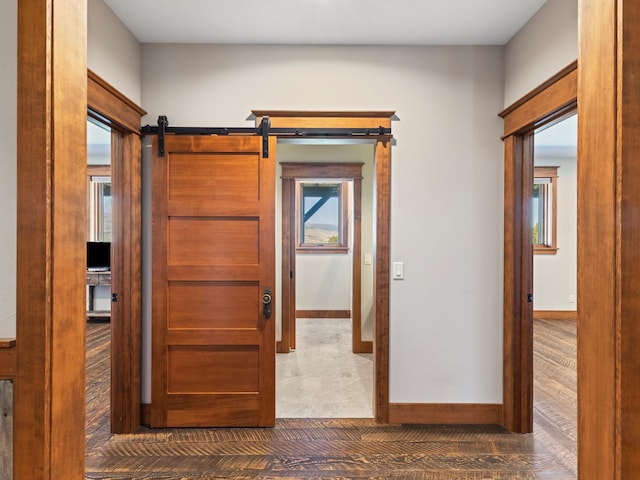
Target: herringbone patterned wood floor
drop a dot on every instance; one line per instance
(344, 449)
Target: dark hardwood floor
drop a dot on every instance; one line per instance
(352, 448)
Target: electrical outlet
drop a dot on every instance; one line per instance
(572, 299)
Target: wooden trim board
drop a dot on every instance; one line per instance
(326, 119)
(548, 101)
(445, 413)
(541, 89)
(555, 314)
(608, 239)
(124, 114)
(49, 416)
(382, 260)
(145, 414)
(323, 314)
(7, 358)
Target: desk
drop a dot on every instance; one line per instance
(95, 279)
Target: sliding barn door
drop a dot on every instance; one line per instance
(213, 267)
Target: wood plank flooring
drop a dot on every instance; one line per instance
(347, 448)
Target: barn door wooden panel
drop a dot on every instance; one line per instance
(213, 261)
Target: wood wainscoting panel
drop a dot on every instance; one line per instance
(446, 413)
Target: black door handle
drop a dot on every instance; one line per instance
(266, 301)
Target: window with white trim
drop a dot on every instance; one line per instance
(544, 210)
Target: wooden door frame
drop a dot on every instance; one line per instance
(550, 102)
(49, 390)
(608, 239)
(292, 171)
(382, 223)
(112, 108)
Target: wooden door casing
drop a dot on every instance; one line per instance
(213, 255)
(291, 172)
(109, 106)
(553, 100)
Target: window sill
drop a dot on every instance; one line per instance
(540, 250)
(322, 250)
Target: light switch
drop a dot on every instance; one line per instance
(367, 259)
(398, 270)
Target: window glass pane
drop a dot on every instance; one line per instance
(105, 227)
(321, 214)
(540, 218)
(99, 208)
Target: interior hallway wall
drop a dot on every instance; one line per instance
(543, 47)
(113, 52)
(8, 165)
(446, 192)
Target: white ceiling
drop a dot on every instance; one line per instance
(326, 22)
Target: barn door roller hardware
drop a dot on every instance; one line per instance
(264, 130)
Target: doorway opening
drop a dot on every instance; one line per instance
(98, 286)
(325, 362)
(109, 109)
(554, 237)
(553, 101)
(201, 141)
(377, 121)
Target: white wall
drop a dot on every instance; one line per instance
(112, 51)
(8, 165)
(555, 276)
(323, 282)
(543, 47)
(446, 316)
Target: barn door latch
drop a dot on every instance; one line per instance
(267, 296)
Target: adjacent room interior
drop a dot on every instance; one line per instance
(554, 232)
